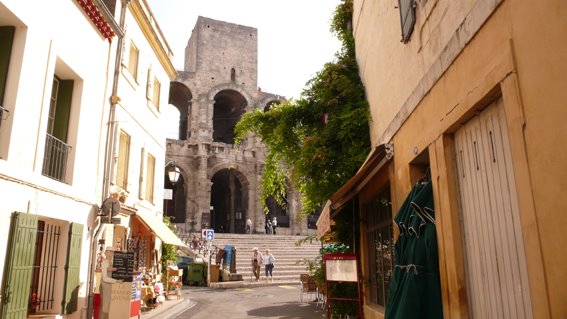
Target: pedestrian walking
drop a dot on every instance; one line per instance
(268, 227)
(256, 262)
(268, 260)
(274, 225)
(249, 226)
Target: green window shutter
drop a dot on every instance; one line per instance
(72, 268)
(407, 18)
(18, 267)
(6, 40)
(63, 110)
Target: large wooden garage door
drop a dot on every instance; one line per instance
(497, 279)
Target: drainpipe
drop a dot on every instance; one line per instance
(109, 155)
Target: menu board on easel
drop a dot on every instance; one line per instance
(341, 269)
(123, 262)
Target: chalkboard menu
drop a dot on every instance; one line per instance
(124, 264)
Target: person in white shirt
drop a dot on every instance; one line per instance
(274, 225)
(249, 226)
(268, 260)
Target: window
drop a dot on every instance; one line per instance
(157, 88)
(123, 159)
(133, 60)
(407, 18)
(56, 147)
(44, 273)
(380, 241)
(6, 40)
(150, 174)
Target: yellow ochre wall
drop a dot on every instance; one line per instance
(461, 55)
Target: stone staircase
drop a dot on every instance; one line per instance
(290, 259)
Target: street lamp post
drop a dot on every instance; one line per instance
(173, 174)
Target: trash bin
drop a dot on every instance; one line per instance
(226, 261)
(215, 269)
(229, 261)
(196, 274)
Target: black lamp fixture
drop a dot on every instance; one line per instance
(172, 171)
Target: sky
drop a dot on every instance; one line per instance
(294, 38)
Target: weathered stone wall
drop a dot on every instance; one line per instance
(222, 57)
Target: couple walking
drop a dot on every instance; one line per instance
(267, 259)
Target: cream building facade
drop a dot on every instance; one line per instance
(469, 94)
(79, 118)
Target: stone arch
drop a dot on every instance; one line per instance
(228, 108)
(177, 207)
(282, 213)
(181, 97)
(268, 102)
(233, 87)
(229, 199)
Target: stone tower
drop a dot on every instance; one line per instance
(219, 180)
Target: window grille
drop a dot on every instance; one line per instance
(380, 240)
(45, 268)
(55, 158)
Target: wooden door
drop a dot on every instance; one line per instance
(497, 280)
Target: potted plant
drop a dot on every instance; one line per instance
(122, 195)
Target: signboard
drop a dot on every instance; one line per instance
(205, 219)
(208, 234)
(124, 264)
(120, 300)
(341, 270)
(168, 194)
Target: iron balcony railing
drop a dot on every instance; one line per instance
(55, 159)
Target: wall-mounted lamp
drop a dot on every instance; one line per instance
(172, 171)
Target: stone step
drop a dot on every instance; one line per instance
(291, 260)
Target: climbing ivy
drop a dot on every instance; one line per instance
(316, 155)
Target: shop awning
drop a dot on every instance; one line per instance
(374, 162)
(159, 229)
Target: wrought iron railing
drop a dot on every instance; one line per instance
(42, 297)
(55, 158)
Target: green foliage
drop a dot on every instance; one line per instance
(317, 158)
(168, 252)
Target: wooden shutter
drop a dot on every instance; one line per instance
(18, 267)
(495, 263)
(6, 40)
(72, 268)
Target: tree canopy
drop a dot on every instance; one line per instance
(318, 141)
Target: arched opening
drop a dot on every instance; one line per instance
(228, 202)
(176, 207)
(270, 104)
(278, 211)
(228, 109)
(180, 96)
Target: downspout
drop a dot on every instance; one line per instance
(109, 155)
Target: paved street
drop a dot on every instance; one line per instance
(260, 302)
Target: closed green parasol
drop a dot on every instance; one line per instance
(415, 291)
